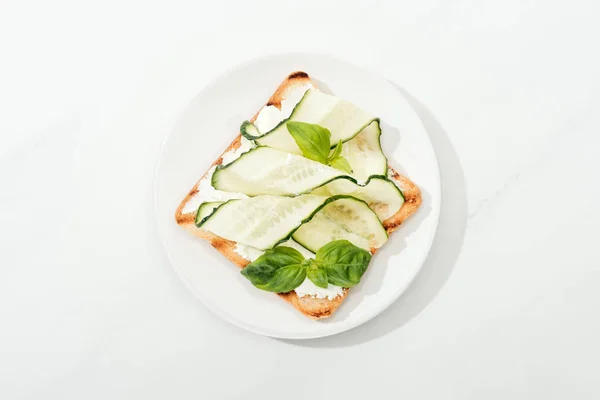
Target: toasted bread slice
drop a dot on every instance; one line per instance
(312, 307)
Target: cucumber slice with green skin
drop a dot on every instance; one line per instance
(264, 170)
(380, 193)
(261, 221)
(205, 209)
(347, 218)
(364, 153)
(265, 221)
(343, 119)
(267, 171)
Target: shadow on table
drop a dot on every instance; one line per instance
(443, 254)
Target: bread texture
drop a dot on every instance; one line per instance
(312, 307)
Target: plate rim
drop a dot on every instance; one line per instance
(214, 308)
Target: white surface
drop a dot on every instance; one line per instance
(507, 305)
(200, 133)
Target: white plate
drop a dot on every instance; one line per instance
(207, 127)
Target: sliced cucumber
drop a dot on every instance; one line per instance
(261, 221)
(267, 171)
(364, 153)
(321, 229)
(347, 218)
(343, 119)
(265, 221)
(206, 209)
(264, 170)
(381, 194)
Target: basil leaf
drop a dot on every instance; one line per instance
(313, 140)
(341, 251)
(345, 275)
(318, 276)
(259, 273)
(336, 152)
(262, 270)
(342, 164)
(285, 279)
(344, 263)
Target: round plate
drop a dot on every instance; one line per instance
(207, 127)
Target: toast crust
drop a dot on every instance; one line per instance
(312, 307)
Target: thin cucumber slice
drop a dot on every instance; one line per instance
(265, 221)
(343, 119)
(380, 193)
(267, 171)
(205, 209)
(322, 229)
(264, 170)
(364, 153)
(261, 221)
(347, 218)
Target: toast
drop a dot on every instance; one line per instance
(312, 307)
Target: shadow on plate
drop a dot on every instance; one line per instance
(444, 251)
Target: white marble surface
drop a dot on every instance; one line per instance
(507, 305)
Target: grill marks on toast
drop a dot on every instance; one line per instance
(298, 74)
(412, 202)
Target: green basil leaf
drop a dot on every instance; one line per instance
(344, 262)
(264, 267)
(341, 251)
(313, 140)
(345, 275)
(285, 279)
(342, 164)
(259, 273)
(318, 276)
(336, 152)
